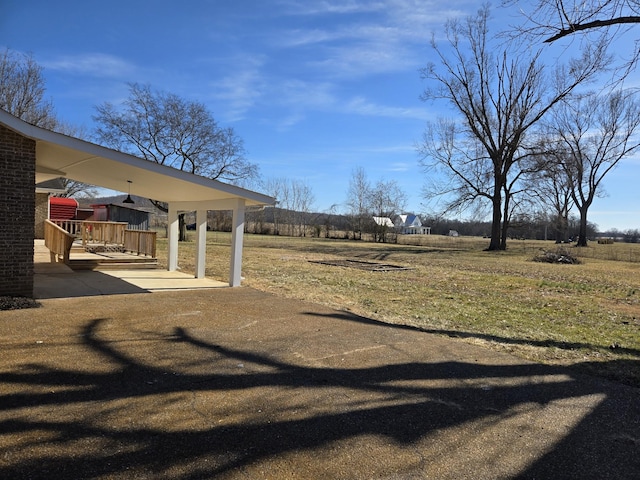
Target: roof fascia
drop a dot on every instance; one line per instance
(43, 135)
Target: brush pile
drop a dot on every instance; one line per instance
(560, 255)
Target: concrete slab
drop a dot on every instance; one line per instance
(57, 280)
(156, 280)
(86, 283)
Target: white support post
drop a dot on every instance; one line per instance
(201, 242)
(237, 235)
(173, 236)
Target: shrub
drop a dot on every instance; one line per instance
(16, 303)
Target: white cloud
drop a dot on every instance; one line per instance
(400, 167)
(361, 106)
(92, 64)
(367, 38)
(324, 7)
(242, 88)
(387, 36)
(302, 94)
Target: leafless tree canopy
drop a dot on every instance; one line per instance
(22, 94)
(295, 200)
(169, 130)
(593, 134)
(498, 96)
(556, 19)
(358, 201)
(550, 188)
(22, 90)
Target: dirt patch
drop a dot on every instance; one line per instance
(361, 265)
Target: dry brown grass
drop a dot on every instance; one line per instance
(586, 316)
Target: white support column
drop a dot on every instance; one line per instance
(236, 244)
(201, 242)
(172, 235)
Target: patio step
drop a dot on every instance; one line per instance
(113, 264)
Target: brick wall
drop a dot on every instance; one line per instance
(42, 213)
(17, 213)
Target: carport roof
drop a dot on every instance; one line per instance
(59, 155)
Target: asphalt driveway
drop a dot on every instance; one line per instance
(236, 383)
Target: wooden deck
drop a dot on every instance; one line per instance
(104, 258)
(97, 245)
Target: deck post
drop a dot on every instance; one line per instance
(201, 242)
(173, 236)
(235, 273)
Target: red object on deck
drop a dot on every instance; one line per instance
(62, 208)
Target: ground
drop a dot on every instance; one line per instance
(238, 383)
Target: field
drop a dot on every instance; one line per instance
(585, 316)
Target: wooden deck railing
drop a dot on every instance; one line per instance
(58, 241)
(74, 227)
(140, 242)
(103, 232)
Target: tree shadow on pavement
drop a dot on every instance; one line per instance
(252, 408)
(612, 369)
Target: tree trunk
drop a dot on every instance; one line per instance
(496, 222)
(505, 222)
(562, 228)
(503, 236)
(582, 234)
(182, 228)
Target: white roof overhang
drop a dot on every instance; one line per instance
(59, 155)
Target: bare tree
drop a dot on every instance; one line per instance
(169, 130)
(22, 90)
(22, 94)
(550, 188)
(275, 187)
(295, 199)
(500, 98)
(594, 133)
(302, 204)
(358, 198)
(75, 189)
(386, 199)
(556, 19)
(591, 22)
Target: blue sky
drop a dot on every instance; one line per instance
(314, 88)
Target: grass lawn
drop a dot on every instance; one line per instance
(586, 316)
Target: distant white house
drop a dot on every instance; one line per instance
(410, 224)
(383, 222)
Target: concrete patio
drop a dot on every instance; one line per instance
(57, 280)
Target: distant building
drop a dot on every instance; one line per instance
(136, 219)
(410, 224)
(383, 222)
(62, 208)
